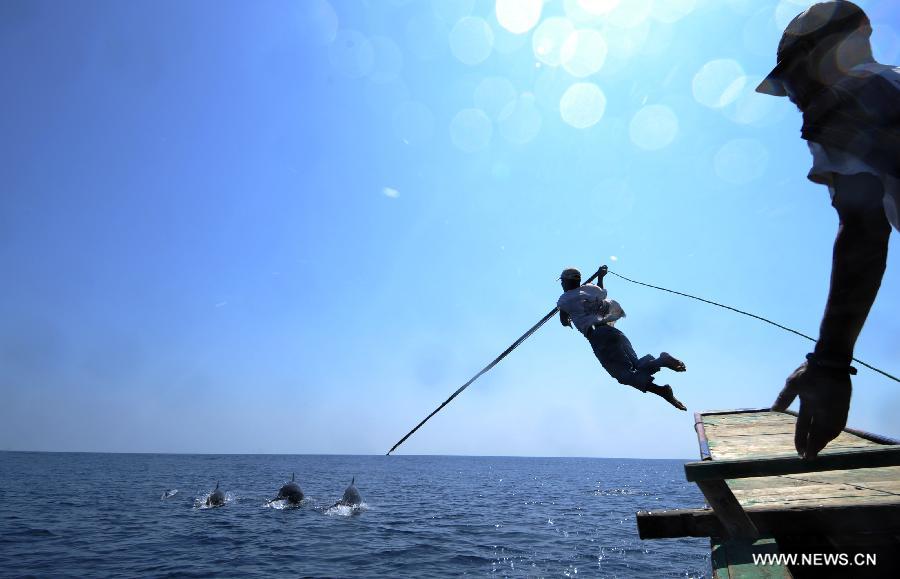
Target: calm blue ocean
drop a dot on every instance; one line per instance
(103, 515)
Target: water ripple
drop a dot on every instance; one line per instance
(423, 516)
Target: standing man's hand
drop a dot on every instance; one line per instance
(601, 273)
(824, 403)
(858, 263)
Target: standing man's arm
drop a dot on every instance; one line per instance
(858, 264)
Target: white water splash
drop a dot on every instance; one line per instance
(200, 502)
(346, 510)
(282, 504)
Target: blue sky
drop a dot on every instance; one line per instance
(298, 226)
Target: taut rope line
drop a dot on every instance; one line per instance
(543, 321)
(777, 325)
(514, 345)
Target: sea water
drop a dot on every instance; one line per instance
(80, 515)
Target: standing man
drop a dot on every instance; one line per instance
(851, 120)
(586, 306)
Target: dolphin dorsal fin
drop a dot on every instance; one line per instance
(353, 482)
(292, 476)
(217, 485)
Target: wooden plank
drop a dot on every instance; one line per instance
(785, 439)
(769, 417)
(719, 560)
(869, 519)
(872, 478)
(678, 523)
(778, 442)
(877, 438)
(820, 493)
(860, 475)
(734, 520)
(887, 486)
(741, 564)
(889, 483)
(728, 469)
(736, 411)
(784, 447)
(747, 422)
(800, 502)
(750, 429)
(763, 482)
(812, 490)
(701, 437)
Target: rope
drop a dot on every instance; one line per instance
(544, 320)
(493, 363)
(777, 325)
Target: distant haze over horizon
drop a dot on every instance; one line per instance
(297, 227)
(397, 454)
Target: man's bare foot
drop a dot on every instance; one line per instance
(669, 397)
(666, 360)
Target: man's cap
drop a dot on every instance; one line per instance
(835, 18)
(570, 273)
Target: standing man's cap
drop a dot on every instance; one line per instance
(570, 273)
(816, 23)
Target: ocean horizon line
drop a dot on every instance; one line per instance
(523, 456)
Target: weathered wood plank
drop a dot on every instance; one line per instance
(734, 520)
(785, 439)
(776, 444)
(830, 460)
(763, 482)
(824, 490)
(795, 502)
(763, 455)
(750, 428)
(810, 493)
(761, 452)
(769, 519)
(861, 475)
(742, 566)
(678, 523)
(719, 560)
(888, 486)
(782, 440)
(737, 411)
(858, 477)
(876, 438)
(701, 437)
(763, 418)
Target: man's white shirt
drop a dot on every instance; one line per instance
(587, 305)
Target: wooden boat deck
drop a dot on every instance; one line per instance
(766, 435)
(763, 498)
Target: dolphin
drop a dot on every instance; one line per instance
(169, 494)
(290, 492)
(215, 498)
(351, 496)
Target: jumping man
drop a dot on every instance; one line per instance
(593, 315)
